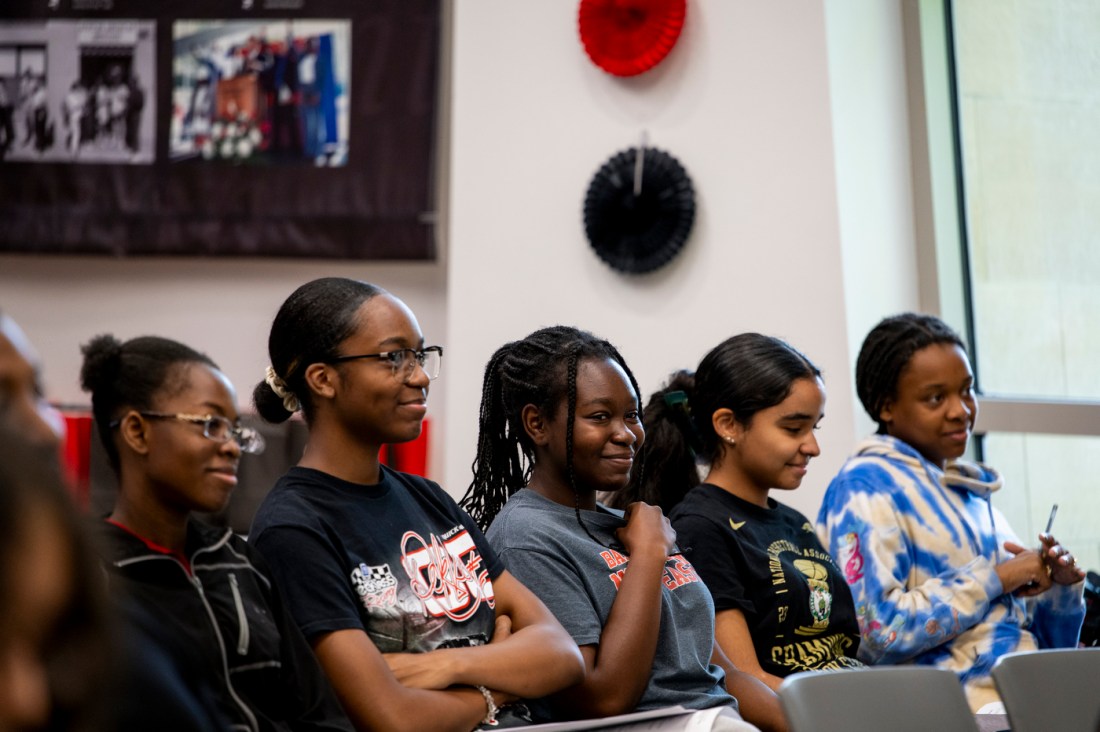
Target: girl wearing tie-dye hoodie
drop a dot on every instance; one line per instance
(938, 576)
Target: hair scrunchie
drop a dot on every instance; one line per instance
(290, 401)
(680, 414)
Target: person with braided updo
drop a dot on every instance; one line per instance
(560, 421)
(938, 576)
(168, 420)
(749, 413)
(410, 612)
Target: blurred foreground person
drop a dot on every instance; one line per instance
(23, 406)
(53, 623)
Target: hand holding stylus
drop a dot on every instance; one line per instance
(1061, 565)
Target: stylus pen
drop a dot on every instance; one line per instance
(1050, 521)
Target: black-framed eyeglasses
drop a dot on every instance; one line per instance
(216, 428)
(403, 361)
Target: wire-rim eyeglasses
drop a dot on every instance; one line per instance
(214, 427)
(403, 361)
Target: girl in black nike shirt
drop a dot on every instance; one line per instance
(749, 413)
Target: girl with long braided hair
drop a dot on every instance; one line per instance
(561, 421)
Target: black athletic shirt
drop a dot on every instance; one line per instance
(769, 564)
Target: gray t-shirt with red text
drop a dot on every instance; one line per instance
(542, 545)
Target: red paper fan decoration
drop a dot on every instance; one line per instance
(627, 37)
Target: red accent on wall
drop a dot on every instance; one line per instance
(627, 37)
(409, 457)
(76, 452)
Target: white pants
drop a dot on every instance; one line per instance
(720, 719)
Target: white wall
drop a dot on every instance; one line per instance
(871, 138)
(744, 103)
(221, 307)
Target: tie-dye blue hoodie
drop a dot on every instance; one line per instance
(918, 545)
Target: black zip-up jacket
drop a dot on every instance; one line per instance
(232, 619)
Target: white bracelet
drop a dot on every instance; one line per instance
(490, 707)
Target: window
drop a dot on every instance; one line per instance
(1010, 114)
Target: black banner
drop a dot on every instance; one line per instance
(219, 127)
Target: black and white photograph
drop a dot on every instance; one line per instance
(78, 91)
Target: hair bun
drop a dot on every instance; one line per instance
(102, 361)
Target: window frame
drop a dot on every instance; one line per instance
(939, 206)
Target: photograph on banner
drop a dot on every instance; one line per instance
(77, 91)
(265, 91)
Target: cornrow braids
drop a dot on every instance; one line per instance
(886, 352)
(540, 369)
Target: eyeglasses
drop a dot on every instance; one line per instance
(403, 362)
(216, 428)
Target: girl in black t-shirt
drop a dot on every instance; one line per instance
(410, 613)
(749, 412)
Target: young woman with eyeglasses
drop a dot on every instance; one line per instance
(168, 420)
(409, 611)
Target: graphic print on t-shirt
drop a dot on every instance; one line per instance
(446, 573)
(812, 565)
(851, 558)
(678, 571)
(808, 563)
(376, 586)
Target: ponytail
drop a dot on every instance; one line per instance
(669, 452)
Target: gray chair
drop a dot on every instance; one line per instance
(1056, 689)
(877, 699)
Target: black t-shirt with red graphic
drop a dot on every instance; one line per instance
(398, 559)
(769, 564)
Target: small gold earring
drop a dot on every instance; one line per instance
(730, 440)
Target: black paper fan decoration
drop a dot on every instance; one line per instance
(639, 210)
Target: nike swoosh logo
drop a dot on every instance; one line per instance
(736, 526)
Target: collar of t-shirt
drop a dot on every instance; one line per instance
(153, 546)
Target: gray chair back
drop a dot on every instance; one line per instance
(1056, 689)
(877, 699)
